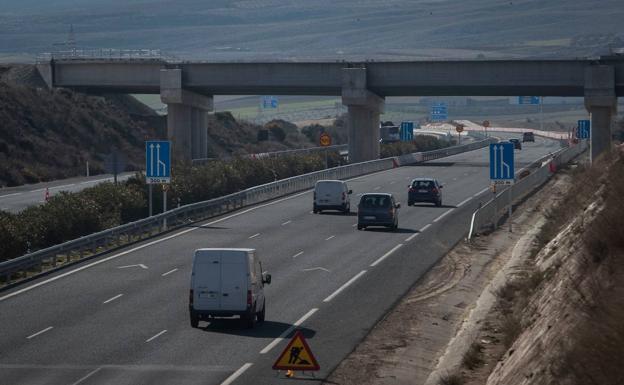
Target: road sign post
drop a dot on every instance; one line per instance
(157, 167)
(297, 355)
(325, 141)
(459, 128)
(502, 170)
(486, 124)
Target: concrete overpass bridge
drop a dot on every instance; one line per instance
(188, 88)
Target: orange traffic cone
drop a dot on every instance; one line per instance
(47, 195)
(290, 373)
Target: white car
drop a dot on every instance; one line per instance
(331, 195)
(225, 283)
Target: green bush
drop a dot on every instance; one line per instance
(420, 143)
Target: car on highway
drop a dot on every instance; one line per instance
(528, 137)
(517, 144)
(378, 209)
(225, 283)
(331, 195)
(424, 190)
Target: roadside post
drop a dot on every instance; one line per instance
(157, 168)
(325, 141)
(297, 355)
(502, 170)
(486, 124)
(459, 128)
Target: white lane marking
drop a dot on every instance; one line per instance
(156, 336)
(237, 374)
(411, 237)
(328, 238)
(10, 195)
(142, 266)
(395, 248)
(443, 215)
(353, 225)
(157, 241)
(285, 223)
(255, 235)
(87, 376)
(425, 227)
(298, 254)
(317, 268)
(37, 190)
(341, 288)
(460, 204)
(392, 182)
(377, 188)
(63, 186)
(95, 181)
(288, 331)
(311, 212)
(39, 332)
(481, 192)
(113, 298)
(169, 272)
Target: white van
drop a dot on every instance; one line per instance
(225, 283)
(331, 195)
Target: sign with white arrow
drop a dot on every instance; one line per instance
(157, 161)
(502, 163)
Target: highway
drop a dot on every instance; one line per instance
(112, 321)
(16, 199)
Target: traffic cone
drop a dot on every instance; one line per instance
(47, 195)
(290, 373)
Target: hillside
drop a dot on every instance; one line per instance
(322, 29)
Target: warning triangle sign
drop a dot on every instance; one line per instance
(297, 356)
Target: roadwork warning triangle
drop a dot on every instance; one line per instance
(297, 356)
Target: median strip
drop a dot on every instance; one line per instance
(288, 331)
(341, 288)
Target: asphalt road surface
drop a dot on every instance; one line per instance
(16, 199)
(109, 321)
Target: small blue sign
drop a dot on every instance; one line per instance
(529, 100)
(407, 131)
(439, 112)
(157, 161)
(269, 102)
(583, 129)
(502, 163)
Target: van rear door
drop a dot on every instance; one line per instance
(234, 280)
(207, 281)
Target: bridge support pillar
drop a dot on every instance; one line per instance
(187, 120)
(601, 103)
(364, 108)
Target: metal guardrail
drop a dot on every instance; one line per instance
(106, 54)
(277, 154)
(486, 217)
(107, 240)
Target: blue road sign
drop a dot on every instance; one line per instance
(502, 163)
(439, 112)
(407, 131)
(157, 161)
(269, 102)
(528, 100)
(583, 129)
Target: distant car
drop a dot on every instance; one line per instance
(331, 195)
(424, 190)
(378, 209)
(517, 144)
(528, 137)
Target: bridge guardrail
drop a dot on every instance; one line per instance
(486, 217)
(110, 239)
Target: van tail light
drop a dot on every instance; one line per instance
(191, 297)
(248, 298)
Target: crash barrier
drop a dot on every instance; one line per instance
(488, 215)
(94, 244)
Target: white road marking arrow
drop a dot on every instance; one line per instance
(317, 268)
(142, 266)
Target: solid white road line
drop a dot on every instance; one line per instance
(341, 288)
(353, 225)
(288, 331)
(9, 195)
(255, 235)
(377, 188)
(443, 215)
(87, 376)
(411, 237)
(285, 223)
(460, 204)
(317, 268)
(236, 374)
(112, 299)
(328, 238)
(156, 336)
(395, 248)
(298, 254)
(481, 192)
(39, 332)
(425, 227)
(169, 272)
(95, 181)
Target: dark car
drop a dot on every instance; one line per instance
(424, 190)
(378, 210)
(528, 137)
(517, 144)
